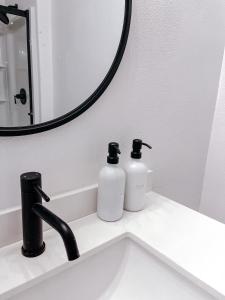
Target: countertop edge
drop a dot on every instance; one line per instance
(179, 234)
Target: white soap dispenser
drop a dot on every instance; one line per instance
(136, 179)
(111, 187)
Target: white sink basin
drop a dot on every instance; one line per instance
(123, 271)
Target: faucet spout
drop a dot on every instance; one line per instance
(61, 227)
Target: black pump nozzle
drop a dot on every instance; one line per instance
(113, 157)
(137, 146)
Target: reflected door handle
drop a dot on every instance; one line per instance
(22, 96)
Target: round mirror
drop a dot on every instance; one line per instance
(57, 59)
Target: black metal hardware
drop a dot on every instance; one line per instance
(31, 113)
(3, 18)
(15, 6)
(113, 153)
(41, 193)
(18, 131)
(13, 10)
(32, 215)
(137, 147)
(22, 96)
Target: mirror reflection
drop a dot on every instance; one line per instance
(38, 82)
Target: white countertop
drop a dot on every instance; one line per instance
(185, 239)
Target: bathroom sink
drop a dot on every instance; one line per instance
(122, 271)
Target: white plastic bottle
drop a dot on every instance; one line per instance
(136, 179)
(111, 188)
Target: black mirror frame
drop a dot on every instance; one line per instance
(33, 129)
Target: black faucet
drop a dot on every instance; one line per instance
(32, 215)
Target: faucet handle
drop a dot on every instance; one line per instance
(41, 193)
(31, 182)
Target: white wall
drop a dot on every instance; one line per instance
(44, 20)
(23, 4)
(164, 92)
(90, 35)
(213, 195)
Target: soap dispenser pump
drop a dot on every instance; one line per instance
(111, 187)
(136, 178)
